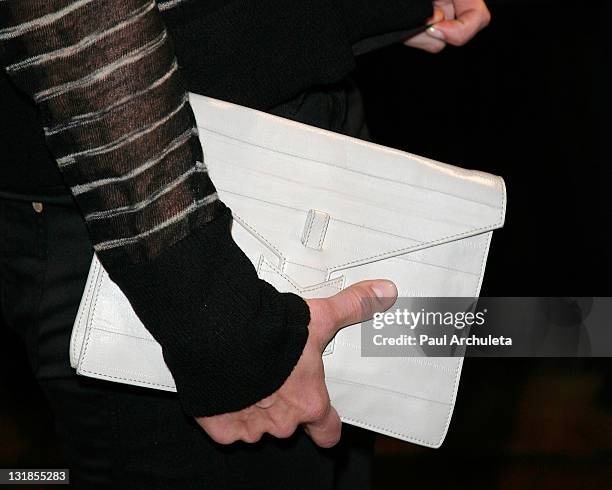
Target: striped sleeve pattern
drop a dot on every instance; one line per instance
(118, 120)
(164, 5)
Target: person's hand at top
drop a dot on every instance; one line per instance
(454, 22)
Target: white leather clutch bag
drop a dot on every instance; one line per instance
(316, 211)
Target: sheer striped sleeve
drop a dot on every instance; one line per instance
(104, 75)
(119, 123)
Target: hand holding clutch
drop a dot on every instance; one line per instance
(303, 398)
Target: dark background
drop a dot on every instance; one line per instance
(529, 100)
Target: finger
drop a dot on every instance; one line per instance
(223, 429)
(425, 42)
(447, 7)
(283, 420)
(268, 401)
(257, 424)
(283, 426)
(438, 16)
(354, 304)
(326, 431)
(460, 30)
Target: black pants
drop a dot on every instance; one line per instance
(118, 436)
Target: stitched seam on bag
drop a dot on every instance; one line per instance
(121, 371)
(270, 268)
(455, 384)
(464, 234)
(127, 379)
(128, 374)
(437, 242)
(460, 365)
(422, 245)
(437, 266)
(415, 158)
(458, 370)
(310, 222)
(87, 345)
(300, 210)
(334, 284)
(284, 205)
(123, 378)
(306, 266)
(323, 233)
(415, 360)
(93, 315)
(483, 262)
(254, 231)
(371, 387)
(402, 434)
(144, 339)
(95, 271)
(375, 230)
(387, 431)
(323, 230)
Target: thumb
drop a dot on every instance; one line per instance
(355, 304)
(460, 30)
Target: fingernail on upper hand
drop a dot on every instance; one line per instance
(437, 33)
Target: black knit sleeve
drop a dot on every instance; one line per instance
(118, 121)
(367, 18)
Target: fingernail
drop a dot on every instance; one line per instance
(433, 32)
(384, 289)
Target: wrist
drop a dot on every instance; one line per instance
(229, 338)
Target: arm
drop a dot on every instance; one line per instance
(118, 121)
(104, 75)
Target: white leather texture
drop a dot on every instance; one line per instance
(316, 211)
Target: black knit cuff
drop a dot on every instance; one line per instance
(229, 338)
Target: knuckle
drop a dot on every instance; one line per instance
(252, 437)
(460, 41)
(284, 430)
(220, 434)
(317, 407)
(360, 301)
(486, 18)
(222, 438)
(329, 442)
